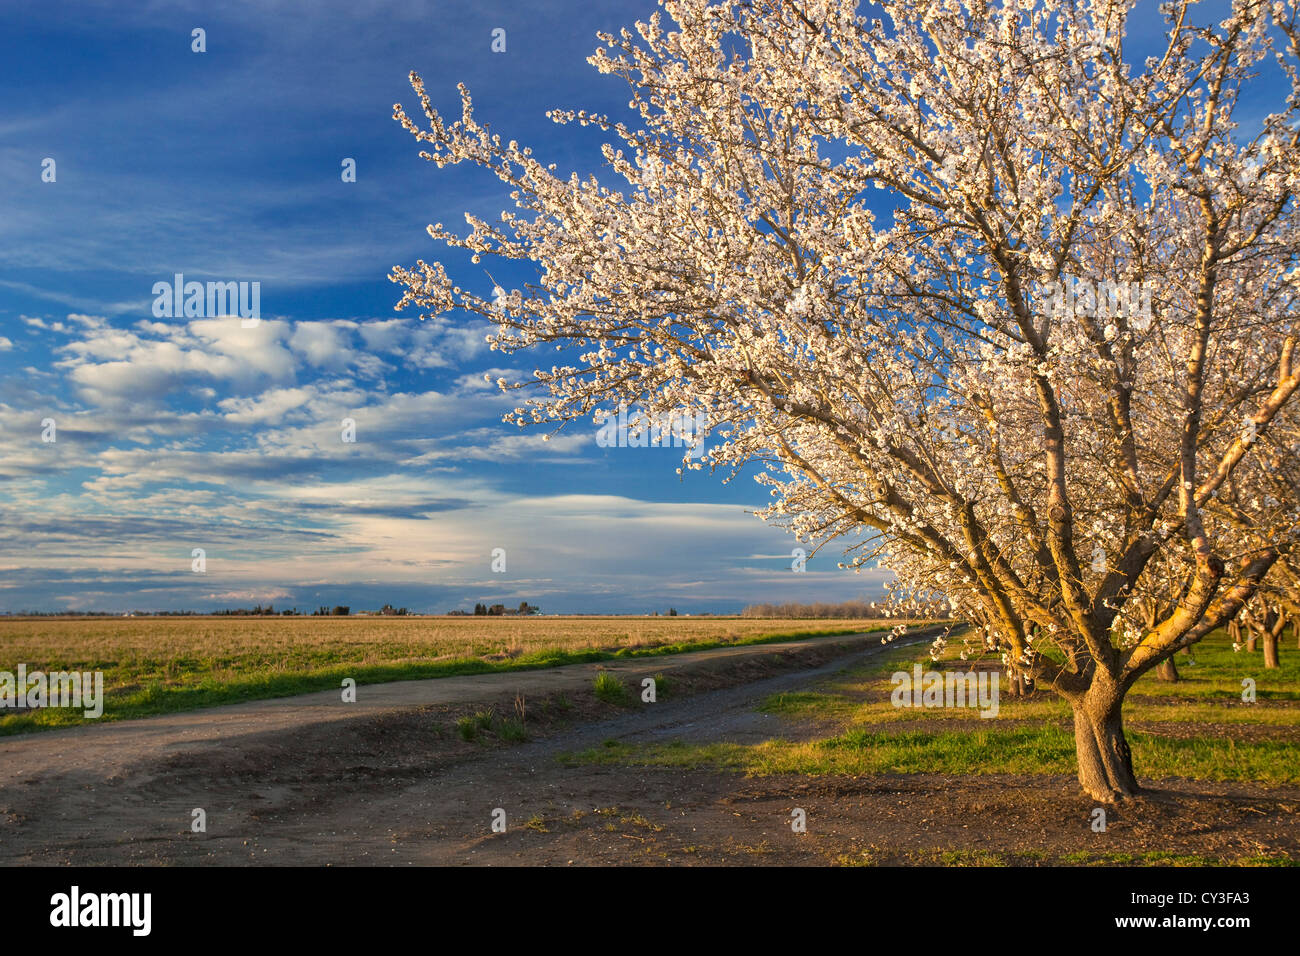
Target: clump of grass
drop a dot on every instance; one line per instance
(512, 729)
(467, 728)
(661, 685)
(561, 703)
(610, 688)
(472, 726)
(968, 858)
(469, 725)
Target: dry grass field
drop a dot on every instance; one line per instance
(155, 665)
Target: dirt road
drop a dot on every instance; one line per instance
(386, 781)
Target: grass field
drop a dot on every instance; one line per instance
(159, 665)
(1199, 727)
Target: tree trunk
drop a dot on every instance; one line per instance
(1014, 682)
(1295, 630)
(1105, 762)
(1270, 649)
(1250, 641)
(1168, 670)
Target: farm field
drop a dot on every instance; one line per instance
(708, 774)
(160, 665)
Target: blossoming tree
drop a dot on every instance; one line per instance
(1006, 312)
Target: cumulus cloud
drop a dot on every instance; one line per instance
(115, 366)
(323, 344)
(270, 406)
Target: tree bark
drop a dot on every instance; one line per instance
(1271, 624)
(1167, 670)
(1105, 761)
(1270, 649)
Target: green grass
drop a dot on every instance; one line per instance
(1198, 728)
(467, 727)
(662, 685)
(1080, 858)
(969, 858)
(1219, 670)
(1166, 858)
(512, 730)
(807, 704)
(1028, 751)
(610, 688)
(473, 727)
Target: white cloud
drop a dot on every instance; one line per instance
(113, 366)
(250, 596)
(203, 433)
(386, 335)
(323, 344)
(270, 406)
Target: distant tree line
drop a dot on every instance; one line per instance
(856, 609)
(846, 609)
(103, 613)
(498, 610)
(256, 610)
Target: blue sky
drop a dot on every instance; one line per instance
(173, 433)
